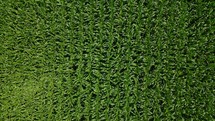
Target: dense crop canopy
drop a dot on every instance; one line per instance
(107, 60)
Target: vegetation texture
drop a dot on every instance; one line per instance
(110, 60)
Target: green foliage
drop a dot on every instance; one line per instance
(107, 60)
